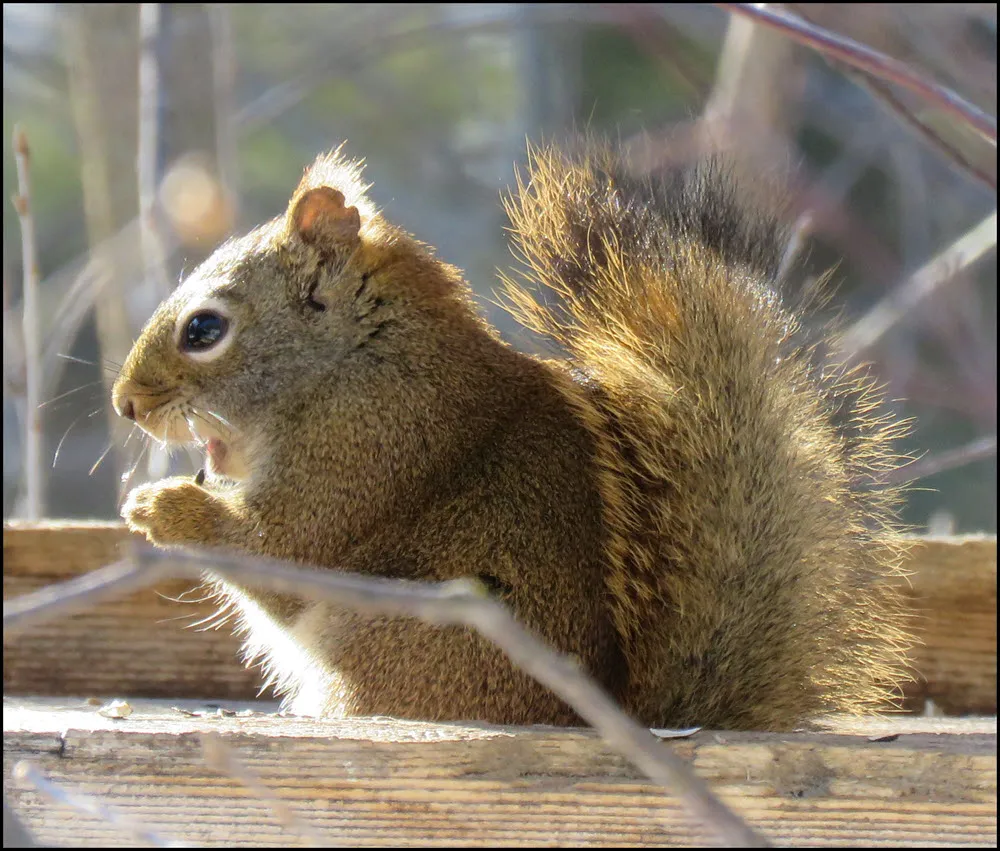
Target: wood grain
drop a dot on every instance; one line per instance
(953, 592)
(386, 782)
(137, 645)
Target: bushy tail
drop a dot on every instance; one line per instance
(752, 552)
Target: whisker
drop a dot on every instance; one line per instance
(127, 476)
(64, 405)
(221, 419)
(84, 361)
(197, 415)
(110, 366)
(75, 359)
(69, 392)
(130, 434)
(104, 455)
(62, 439)
(194, 434)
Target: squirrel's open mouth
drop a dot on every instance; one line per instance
(220, 444)
(216, 454)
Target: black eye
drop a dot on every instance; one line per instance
(204, 330)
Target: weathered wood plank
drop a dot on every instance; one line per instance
(386, 782)
(953, 591)
(137, 645)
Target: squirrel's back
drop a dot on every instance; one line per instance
(751, 547)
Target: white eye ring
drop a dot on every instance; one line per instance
(206, 340)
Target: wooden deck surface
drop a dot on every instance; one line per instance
(138, 645)
(903, 781)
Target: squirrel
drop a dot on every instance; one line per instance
(689, 499)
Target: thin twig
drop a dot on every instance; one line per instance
(148, 155)
(939, 462)
(887, 313)
(730, 71)
(223, 90)
(220, 757)
(880, 91)
(800, 231)
(13, 346)
(871, 61)
(385, 38)
(457, 602)
(32, 333)
(27, 773)
(15, 834)
(150, 162)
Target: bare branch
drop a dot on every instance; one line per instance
(15, 834)
(149, 163)
(887, 313)
(224, 88)
(148, 155)
(734, 62)
(939, 462)
(460, 602)
(13, 349)
(220, 757)
(871, 61)
(32, 333)
(25, 772)
(881, 92)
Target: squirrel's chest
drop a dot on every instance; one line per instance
(337, 663)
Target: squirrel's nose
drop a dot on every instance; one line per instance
(123, 405)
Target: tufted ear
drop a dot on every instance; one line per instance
(321, 218)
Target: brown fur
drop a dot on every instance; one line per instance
(683, 503)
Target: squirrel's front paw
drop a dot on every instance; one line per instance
(172, 511)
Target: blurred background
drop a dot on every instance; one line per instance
(157, 130)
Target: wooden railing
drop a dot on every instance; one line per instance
(907, 779)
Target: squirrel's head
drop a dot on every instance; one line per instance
(324, 298)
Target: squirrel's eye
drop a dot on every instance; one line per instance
(204, 330)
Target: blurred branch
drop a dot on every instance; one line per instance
(13, 347)
(72, 310)
(25, 772)
(220, 757)
(15, 834)
(32, 333)
(149, 159)
(870, 61)
(224, 89)
(459, 602)
(660, 39)
(883, 93)
(931, 387)
(102, 61)
(872, 327)
(382, 38)
(939, 462)
(752, 87)
(149, 172)
(800, 231)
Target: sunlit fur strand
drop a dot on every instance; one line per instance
(753, 554)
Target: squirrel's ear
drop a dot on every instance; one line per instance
(320, 218)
